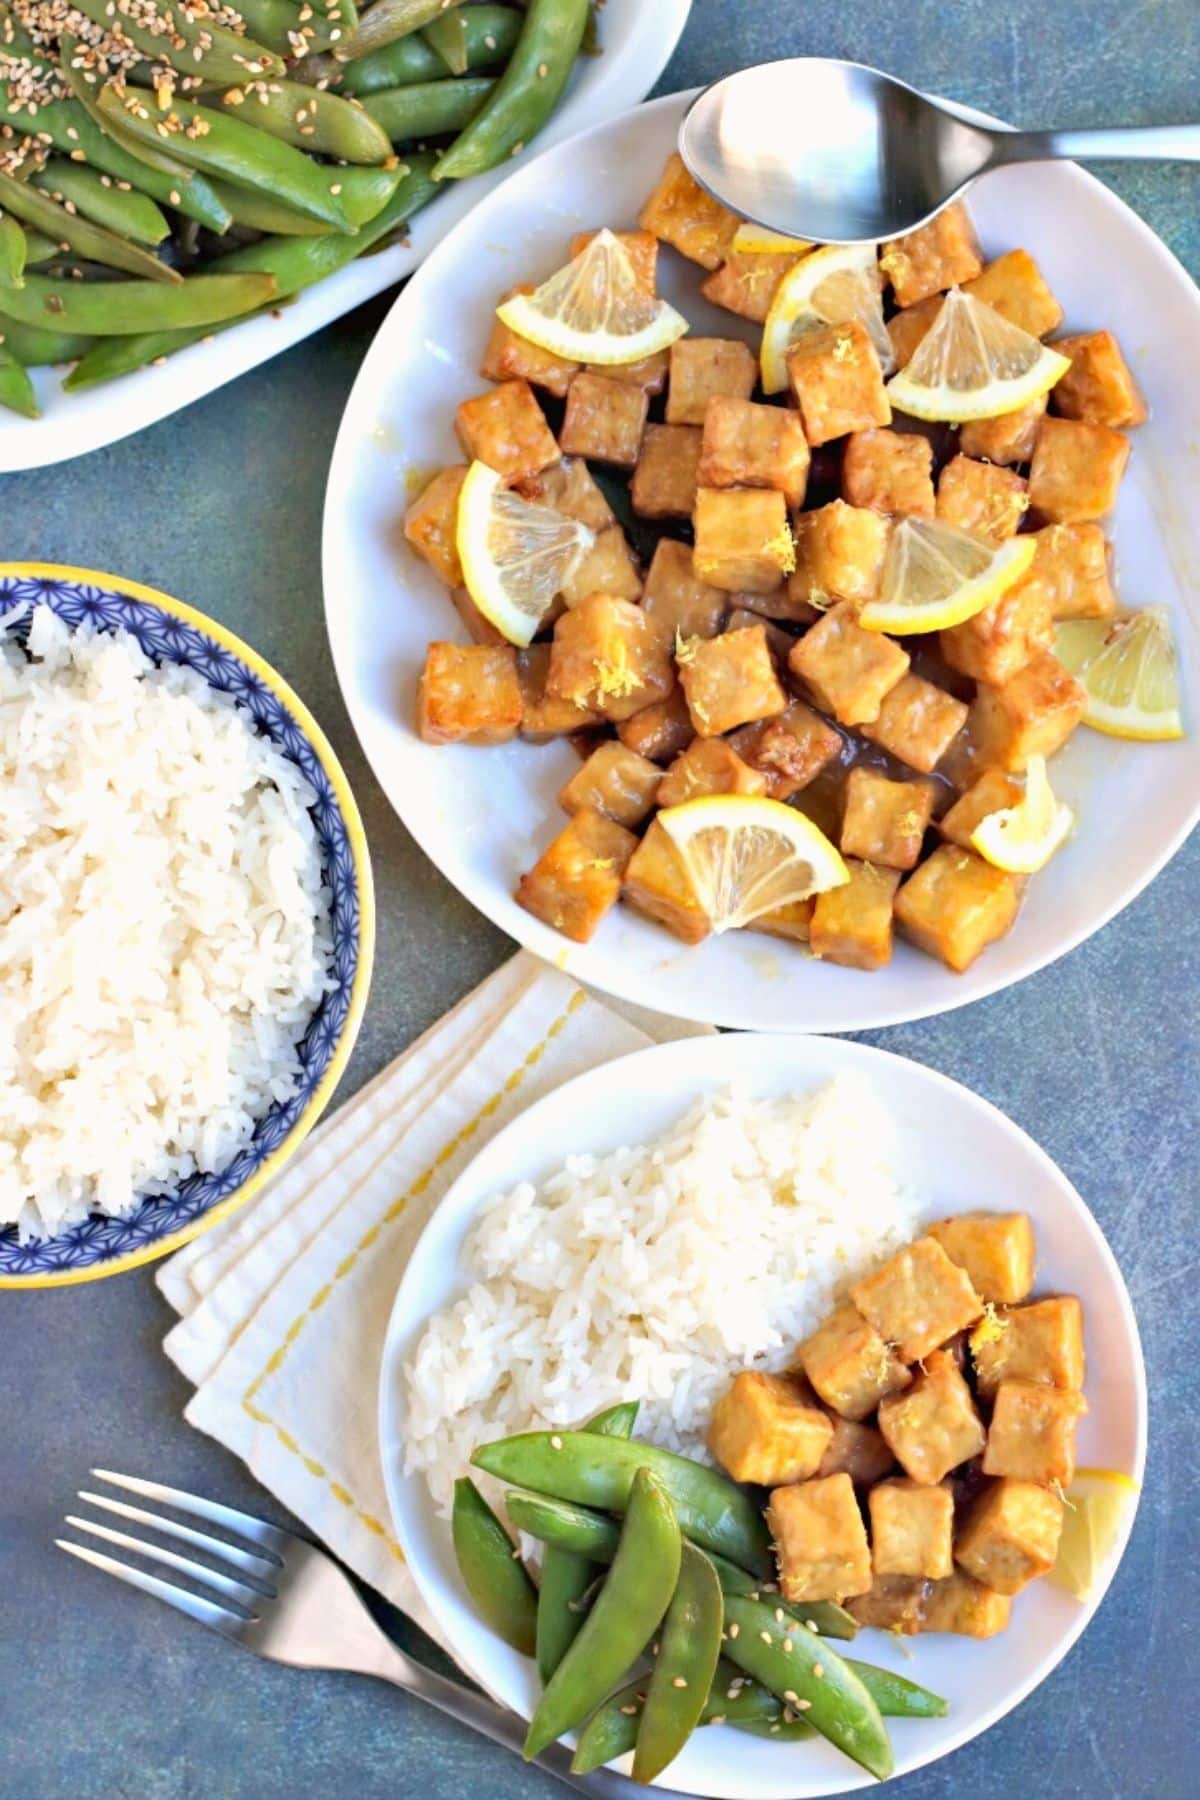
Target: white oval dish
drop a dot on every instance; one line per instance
(637, 44)
(956, 1151)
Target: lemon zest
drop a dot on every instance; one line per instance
(990, 1329)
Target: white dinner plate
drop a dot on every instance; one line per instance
(637, 41)
(957, 1153)
(484, 816)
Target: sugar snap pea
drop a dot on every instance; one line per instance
(492, 1569)
(39, 249)
(94, 242)
(565, 1577)
(12, 253)
(427, 108)
(388, 20)
(38, 348)
(732, 1699)
(895, 1696)
(526, 93)
(321, 123)
(684, 1666)
(491, 32)
(16, 389)
(193, 45)
(98, 198)
(786, 1731)
(363, 193)
(825, 1616)
(448, 36)
(282, 26)
(106, 308)
(259, 212)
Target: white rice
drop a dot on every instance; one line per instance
(164, 936)
(656, 1273)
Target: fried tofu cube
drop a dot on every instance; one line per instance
(661, 730)
(964, 1606)
(704, 369)
(789, 750)
(431, 524)
(918, 1299)
(1032, 1433)
(820, 1540)
(856, 1450)
(996, 643)
(981, 497)
(607, 656)
(1098, 388)
(664, 481)
(885, 821)
(907, 327)
(912, 1529)
(745, 617)
(649, 373)
(1008, 439)
(997, 1250)
(657, 884)
(1039, 1342)
(849, 671)
(849, 1365)
(743, 540)
(840, 553)
(609, 567)
(506, 429)
(614, 781)
(604, 420)
(479, 629)
(747, 445)
(1015, 287)
(730, 680)
(894, 1603)
(1070, 572)
(837, 383)
(1031, 714)
(918, 721)
(707, 766)
(1076, 470)
(889, 471)
(934, 1426)
(943, 254)
(852, 924)
(468, 694)
(680, 213)
(512, 358)
(679, 603)
(747, 282)
(955, 905)
(641, 247)
(768, 1429)
(577, 878)
(570, 488)
(994, 791)
(1010, 1535)
(545, 716)
(791, 922)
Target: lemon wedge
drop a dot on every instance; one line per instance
(1129, 670)
(758, 240)
(515, 556)
(1023, 838)
(936, 576)
(746, 855)
(1098, 1504)
(974, 364)
(594, 310)
(827, 287)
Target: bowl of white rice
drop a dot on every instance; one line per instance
(186, 924)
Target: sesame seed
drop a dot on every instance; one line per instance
(173, 197)
(779, 1615)
(555, 1441)
(543, 71)
(774, 1729)
(766, 1637)
(630, 1712)
(804, 1705)
(812, 1626)
(733, 1692)
(792, 1698)
(818, 1670)
(734, 1629)
(679, 1682)
(335, 187)
(717, 1719)
(787, 1646)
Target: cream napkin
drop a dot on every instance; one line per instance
(285, 1304)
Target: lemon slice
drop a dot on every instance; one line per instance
(1023, 838)
(827, 287)
(745, 855)
(757, 240)
(1129, 670)
(515, 556)
(936, 576)
(595, 310)
(1098, 1503)
(974, 364)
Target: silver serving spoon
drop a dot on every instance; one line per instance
(837, 152)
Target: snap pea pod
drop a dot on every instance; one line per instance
(12, 253)
(131, 215)
(388, 20)
(92, 241)
(16, 389)
(526, 93)
(259, 212)
(492, 1570)
(825, 1616)
(628, 1609)
(193, 46)
(278, 24)
(39, 249)
(117, 308)
(684, 1666)
(785, 1731)
(37, 348)
(566, 1577)
(612, 1730)
(448, 36)
(428, 108)
(895, 1696)
(362, 193)
(322, 123)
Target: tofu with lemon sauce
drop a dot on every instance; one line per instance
(943, 254)
(743, 541)
(1033, 713)
(604, 420)
(934, 1426)
(469, 694)
(955, 904)
(912, 1529)
(607, 657)
(707, 766)
(506, 429)
(820, 1540)
(852, 925)
(856, 1450)
(889, 471)
(430, 524)
(918, 1299)
(849, 1364)
(769, 1429)
(840, 553)
(657, 884)
(885, 821)
(837, 383)
(1042, 1341)
(729, 681)
(704, 369)
(577, 878)
(917, 723)
(964, 1606)
(996, 1249)
(680, 213)
(1032, 1433)
(1010, 1535)
(789, 750)
(848, 671)
(614, 781)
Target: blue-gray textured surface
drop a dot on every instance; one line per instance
(104, 1694)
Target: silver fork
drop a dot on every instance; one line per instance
(288, 1601)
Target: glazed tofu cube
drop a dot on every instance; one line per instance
(943, 254)
(545, 716)
(746, 445)
(1032, 714)
(791, 922)
(730, 680)
(840, 553)
(889, 471)
(661, 730)
(849, 671)
(885, 821)
(748, 281)
(768, 1429)
(1032, 1433)
(849, 1365)
(918, 721)
(1039, 1342)
(1008, 439)
(657, 884)
(604, 420)
(479, 629)
(1010, 1535)
(577, 878)
(707, 766)
(993, 792)
(745, 618)
(505, 429)
(704, 369)
(912, 1529)
(649, 374)
(852, 925)
(743, 540)
(907, 327)
(856, 1450)
(933, 1427)
(468, 694)
(996, 643)
(1098, 388)
(1070, 572)
(820, 1540)
(837, 382)
(607, 656)
(679, 212)
(679, 603)
(616, 782)
(789, 750)
(1076, 470)
(609, 567)
(512, 358)
(894, 1603)
(570, 488)
(641, 247)
(996, 1249)
(956, 904)
(431, 522)
(964, 1606)
(1015, 287)
(918, 1299)
(664, 482)
(981, 497)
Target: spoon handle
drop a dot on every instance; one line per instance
(1157, 143)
